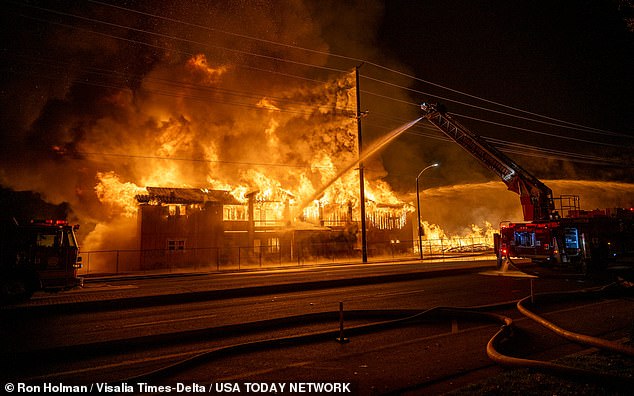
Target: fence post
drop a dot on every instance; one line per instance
(332, 251)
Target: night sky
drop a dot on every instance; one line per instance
(558, 61)
(569, 60)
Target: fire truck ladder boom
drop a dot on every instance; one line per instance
(535, 196)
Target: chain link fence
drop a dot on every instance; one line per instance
(236, 258)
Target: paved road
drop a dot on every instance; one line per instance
(107, 342)
(150, 287)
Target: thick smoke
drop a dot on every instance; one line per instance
(99, 112)
(457, 207)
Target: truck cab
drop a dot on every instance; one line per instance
(41, 255)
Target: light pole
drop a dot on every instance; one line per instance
(420, 229)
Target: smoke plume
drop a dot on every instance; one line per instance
(98, 111)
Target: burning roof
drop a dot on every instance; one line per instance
(170, 195)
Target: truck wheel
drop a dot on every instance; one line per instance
(18, 287)
(14, 290)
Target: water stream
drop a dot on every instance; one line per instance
(367, 153)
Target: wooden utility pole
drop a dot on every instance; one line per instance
(364, 242)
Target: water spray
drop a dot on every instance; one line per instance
(366, 154)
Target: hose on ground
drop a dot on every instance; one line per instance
(508, 361)
(573, 336)
(506, 333)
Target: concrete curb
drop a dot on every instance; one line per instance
(216, 294)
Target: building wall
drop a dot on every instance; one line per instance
(179, 235)
(173, 236)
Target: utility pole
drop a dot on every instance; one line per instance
(364, 241)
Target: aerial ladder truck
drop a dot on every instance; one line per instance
(581, 239)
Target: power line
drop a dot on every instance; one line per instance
(582, 128)
(161, 35)
(510, 147)
(524, 149)
(201, 160)
(381, 67)
(237, 93)
(579, 128)
(303, 109)
(514, 148)
(538, 132)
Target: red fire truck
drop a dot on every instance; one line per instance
(564, 235)
(585, 240)
(40, 255)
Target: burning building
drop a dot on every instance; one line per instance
(194, 227)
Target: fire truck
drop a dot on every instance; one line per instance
(555, 231)
(40, 255)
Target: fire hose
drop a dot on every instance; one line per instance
(506, 332)
(570, 335)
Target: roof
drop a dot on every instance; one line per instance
(171, 195)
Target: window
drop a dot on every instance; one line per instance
(525, 239)
(571, 238)
(177, 210)
(48, 239)
(273, 245)
(174, 245)
(269, 245)
(71, 239)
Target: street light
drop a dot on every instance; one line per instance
(420, 229)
